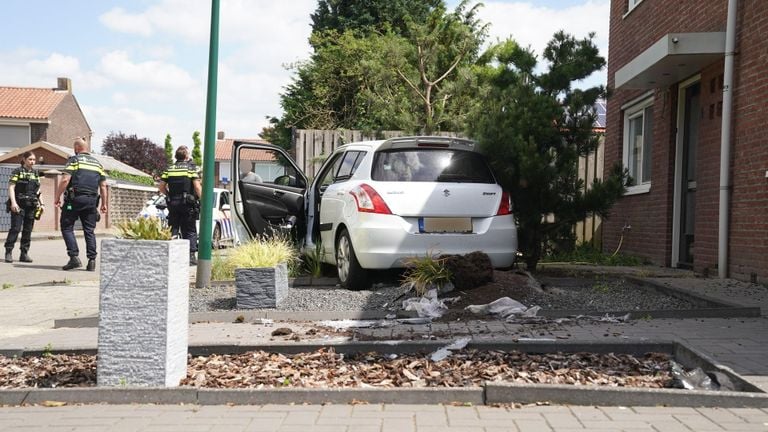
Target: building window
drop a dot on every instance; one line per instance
(638, 145)
(631, 5)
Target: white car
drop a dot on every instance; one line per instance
(372, 205)
(222, 232)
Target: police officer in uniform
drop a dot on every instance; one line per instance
(181, 185)
(23, 201)
(83, 185)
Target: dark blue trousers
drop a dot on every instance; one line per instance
(183, 222)
(83, 209)
(23, 222)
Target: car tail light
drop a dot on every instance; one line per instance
(368, 200)
(505, 206)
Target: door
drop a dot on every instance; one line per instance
(690, 138)
(268, 190)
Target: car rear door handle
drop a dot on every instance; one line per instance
(278, 193)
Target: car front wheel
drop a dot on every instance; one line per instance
(351, 275)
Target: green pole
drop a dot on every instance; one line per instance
(203, 278)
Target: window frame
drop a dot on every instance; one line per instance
(638, 109)
(631, 5)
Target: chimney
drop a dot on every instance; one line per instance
(220, 135)
(64, 84)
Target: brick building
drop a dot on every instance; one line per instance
(667, 69)
(29, 115)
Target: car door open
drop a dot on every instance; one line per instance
(269, 190)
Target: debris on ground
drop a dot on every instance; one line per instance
(444, 352)
(697, 379)
(427, 306)
(504, 307)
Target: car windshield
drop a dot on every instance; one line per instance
(433, 165)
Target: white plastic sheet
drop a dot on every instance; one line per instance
(427, 306)
(504, 307)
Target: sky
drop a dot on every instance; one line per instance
(141, 66)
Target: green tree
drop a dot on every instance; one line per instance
(415, 76)
(197, 154)
(369, 16)
(535, 126)
(168, 149)
(434, 64)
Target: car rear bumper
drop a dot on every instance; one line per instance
(386, 241)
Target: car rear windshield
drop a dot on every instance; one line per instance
(434, 165)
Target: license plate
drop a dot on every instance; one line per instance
(445, 225)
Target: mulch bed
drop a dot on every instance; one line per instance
(326, 368)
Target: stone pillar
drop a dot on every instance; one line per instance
(261, 287)
(143, 312)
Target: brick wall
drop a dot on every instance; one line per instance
(126, 201)
(650, 215)
(67, 122)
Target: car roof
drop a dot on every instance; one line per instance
(414, 142)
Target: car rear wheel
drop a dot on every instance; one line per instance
(216, 238)
(351, 275)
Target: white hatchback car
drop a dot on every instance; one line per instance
(374, 204)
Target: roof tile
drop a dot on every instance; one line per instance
(29, 103)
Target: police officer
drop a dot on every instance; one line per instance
(82, 185)
(181, 185)
(23, 189)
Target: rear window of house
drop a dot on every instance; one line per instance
(438, 165)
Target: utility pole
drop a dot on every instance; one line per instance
(203, 278)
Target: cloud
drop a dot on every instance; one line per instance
(119, 20)
(130, 120)
(153, 73)
(25, 67)
(533, 25)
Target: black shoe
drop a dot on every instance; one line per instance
(91, 265)
(24, 257)
(74, 262)
(192, 259)
(8, 256)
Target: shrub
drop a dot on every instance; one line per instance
(422, 272)
(151, 228)
(259, 253)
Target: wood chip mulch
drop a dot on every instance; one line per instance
(326, 368)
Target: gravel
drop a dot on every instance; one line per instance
(585, 293)
(606, 294)
(381, 297)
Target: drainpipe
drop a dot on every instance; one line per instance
(725, 141)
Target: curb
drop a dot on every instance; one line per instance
(486, 394)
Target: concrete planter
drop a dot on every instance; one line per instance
(143, 313)
(261, 287)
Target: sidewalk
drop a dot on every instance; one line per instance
(738, 343)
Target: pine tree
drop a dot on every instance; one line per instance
(168, 149)
(197, 154)
(535, 127)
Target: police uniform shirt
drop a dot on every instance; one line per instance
(179, 178)
(27, 184)
(86, 172)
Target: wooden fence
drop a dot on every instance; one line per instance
(312, 146)
(590, 168)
